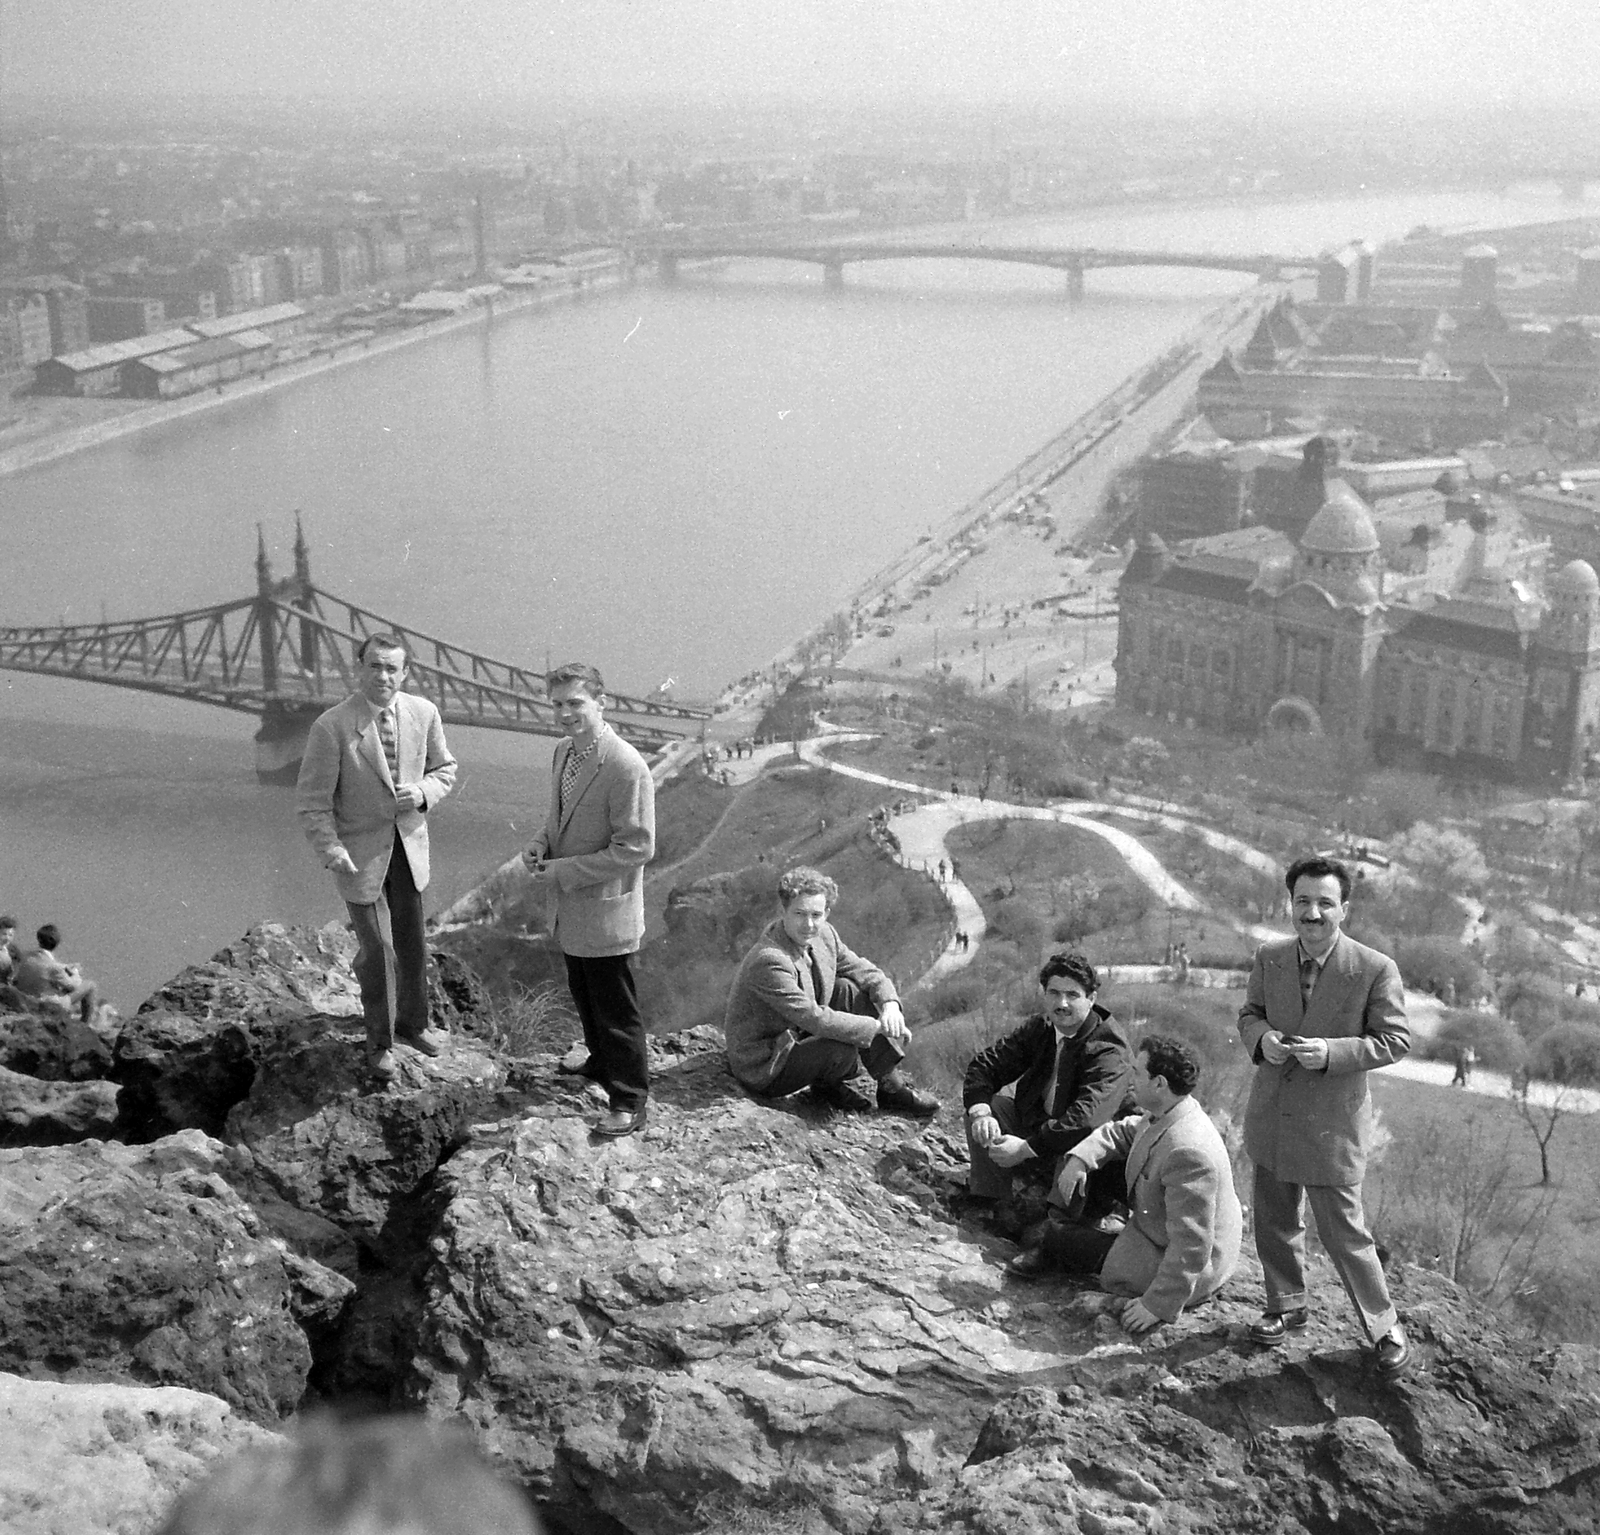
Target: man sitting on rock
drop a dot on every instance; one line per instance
(1181, 1241)
(42, 978)
(8, 949)
(806, 1012)
(1040, 1090)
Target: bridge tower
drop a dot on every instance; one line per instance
(1075, 281)
(285, 723)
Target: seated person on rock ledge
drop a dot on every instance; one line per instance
(42, 978)
(1181, 1241)
(8, 949)
(1040, 1090)
(807, 1012)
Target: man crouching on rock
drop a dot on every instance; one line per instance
(805, 1012)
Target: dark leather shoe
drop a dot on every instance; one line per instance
(381, 1064)
(619, 1122)
(1030, 1263)
(900, 1095)
(1393, 1352)
(1272, 1327)
(418, 1042)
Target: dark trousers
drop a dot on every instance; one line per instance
(391, 961)
(1077, 1249)
(607, 1000)
(988, 1180)
(815, 1061)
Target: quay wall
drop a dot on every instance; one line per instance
(330, 352)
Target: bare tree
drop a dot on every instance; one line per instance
(1541, 1115)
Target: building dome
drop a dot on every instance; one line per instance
(1342, 526)
(1576, 578)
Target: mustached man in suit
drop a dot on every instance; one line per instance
(598, 836)
(1320, 1012)
(374, 766)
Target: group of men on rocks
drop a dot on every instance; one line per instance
(1142, 1184)
(39, 978)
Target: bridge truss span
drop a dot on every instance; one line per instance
(291, 651)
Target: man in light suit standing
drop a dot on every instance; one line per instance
(374, 766)
(1320, 1012)
(599, 834)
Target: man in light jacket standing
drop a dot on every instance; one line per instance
(599, 834)
(374, 766)
(1320, 1012)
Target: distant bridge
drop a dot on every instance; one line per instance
(289, 652)
(1074, 261)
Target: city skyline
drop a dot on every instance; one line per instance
(1159, 54)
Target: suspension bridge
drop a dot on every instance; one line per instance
(289, 651)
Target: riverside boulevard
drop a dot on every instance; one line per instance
(722, 462)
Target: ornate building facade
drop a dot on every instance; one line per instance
(1486, 668)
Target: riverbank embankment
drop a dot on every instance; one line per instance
(63, 437)
(978, 572)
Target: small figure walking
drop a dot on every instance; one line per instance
(1466, 1059)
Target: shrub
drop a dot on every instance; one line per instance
(1021, 922)
(1493, 1039)
(1436, 958)
(1569, 1052)
(1532, 1001)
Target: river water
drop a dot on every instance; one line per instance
(671, 482)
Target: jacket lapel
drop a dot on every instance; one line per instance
(1336, 978)
(368, 745)
(586, 776)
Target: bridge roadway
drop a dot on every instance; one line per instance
(289, 652)
(1074, 261)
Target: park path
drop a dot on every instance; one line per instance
(922, 833)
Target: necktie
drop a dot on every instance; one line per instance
(391, 746)
(816, 976)
(1308, 981)
(569, 776)
(1055, 1076)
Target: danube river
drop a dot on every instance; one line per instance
(672, 482)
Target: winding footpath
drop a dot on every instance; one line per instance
(923, 836)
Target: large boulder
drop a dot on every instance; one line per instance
(190, 1052)
(768, 1306)
(141, 1264)
(193, 1049)
(106, 1459)
(54, 1047)
(36, 1113)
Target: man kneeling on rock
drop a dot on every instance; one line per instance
(1181, 1240)
(806, 1012)
(1036, 1093)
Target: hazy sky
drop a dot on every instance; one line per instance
(1177, 52)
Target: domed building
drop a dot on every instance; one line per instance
(1480, 666)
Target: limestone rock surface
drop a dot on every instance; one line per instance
(106, 1459)
(38, 1113)
(53, 1047)
(141, 1264)
(756, 1306)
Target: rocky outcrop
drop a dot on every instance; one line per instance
(142, 1265)
(54, 1048)
(754, 1305)
(748, 1311)
(105, 1457)
(39, 1113)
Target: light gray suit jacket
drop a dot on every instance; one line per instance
(1315, 1127)
(773, 1001)
(345, 796)
(596, 846)
(1185, 1225)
